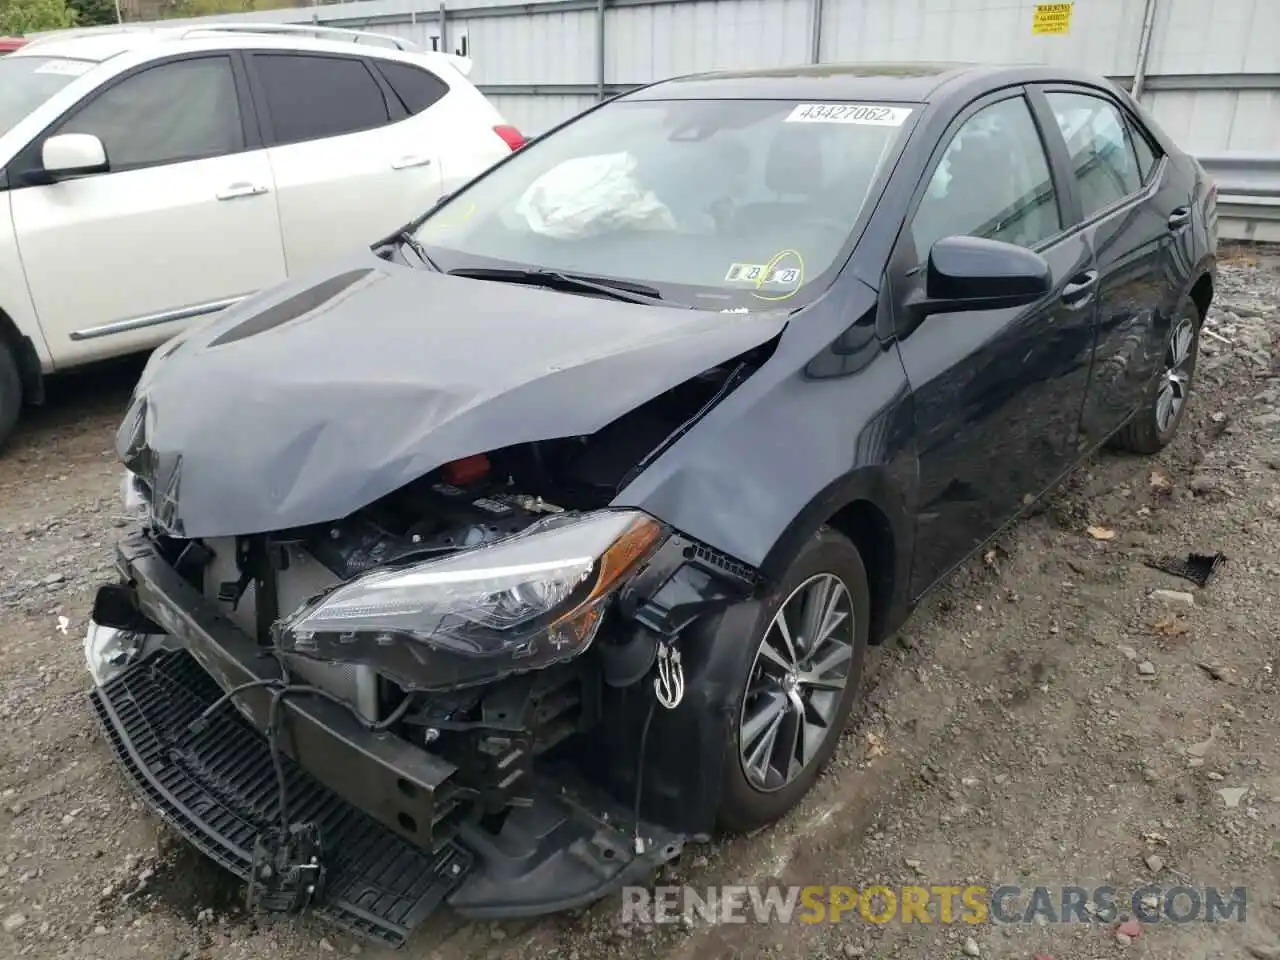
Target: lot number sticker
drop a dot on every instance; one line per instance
(863, 113)
(1052, 18)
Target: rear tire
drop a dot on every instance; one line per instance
(1156, 423)
(10, 393)
(827, 649)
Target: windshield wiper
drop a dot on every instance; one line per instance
(568, 282)
(409, 240)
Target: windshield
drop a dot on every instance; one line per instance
(27, 82)
(717, 204)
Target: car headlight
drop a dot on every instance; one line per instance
(522, 603)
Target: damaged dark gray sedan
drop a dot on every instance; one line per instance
(493, 566)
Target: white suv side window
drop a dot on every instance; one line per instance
(185, 110)
(416, 89)
(311, 97)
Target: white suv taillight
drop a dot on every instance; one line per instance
(512, 137)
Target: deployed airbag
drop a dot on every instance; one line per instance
(589, 196)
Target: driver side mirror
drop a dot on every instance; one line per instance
(973, 273)
(70, 155)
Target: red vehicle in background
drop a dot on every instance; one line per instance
(10, 44)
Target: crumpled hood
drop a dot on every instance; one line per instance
(307, 402)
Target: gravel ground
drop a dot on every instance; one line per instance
(1046, 719)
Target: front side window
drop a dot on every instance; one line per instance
(724, 204)
(27, 82)
(992, 181)
(1102, 155)
(313, 97)
(186, 110)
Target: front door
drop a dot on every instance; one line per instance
(997, 393)
(183, 223)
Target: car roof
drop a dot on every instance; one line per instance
(904, 82)
(103, 43)
(85, 47)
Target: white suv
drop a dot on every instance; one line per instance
(149, 177)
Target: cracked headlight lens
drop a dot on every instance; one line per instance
(518, 604)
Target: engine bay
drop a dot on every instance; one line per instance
(495, 733)
(493, 495)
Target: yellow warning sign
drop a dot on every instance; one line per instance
(1052, 18)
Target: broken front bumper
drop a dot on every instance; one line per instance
(397, 835)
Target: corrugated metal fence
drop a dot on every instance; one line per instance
(1209, 70)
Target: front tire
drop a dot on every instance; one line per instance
(1153, 426)
(10, 393)
(800, 677)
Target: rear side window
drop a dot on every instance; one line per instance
(1147, 156)
(186, 110)
(416, 88)
(312, 97)
(1102, 153)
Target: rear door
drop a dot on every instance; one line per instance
(452, 121)
(345, 173)
(182, 224)
(1137, 218)
(997, 393)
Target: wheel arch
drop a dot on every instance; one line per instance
(26, 357)
(1201, 292)
(868, 507)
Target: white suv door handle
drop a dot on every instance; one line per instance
(411, 160)
(242, 190)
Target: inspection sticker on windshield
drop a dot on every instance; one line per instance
(760, 273)
(64, 68)
(863, 113)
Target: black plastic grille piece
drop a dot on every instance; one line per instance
(217, 788)
(1199, 568)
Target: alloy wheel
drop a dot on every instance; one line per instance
(1175, 382)
(800, 672)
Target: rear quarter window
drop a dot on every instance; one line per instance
(1148, 156)
(416, 88)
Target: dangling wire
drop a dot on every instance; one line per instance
(644, 739)
(281, 687)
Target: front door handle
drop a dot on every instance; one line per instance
(412, 160)
(241, 190)
(1179, 218)
(1080, 288)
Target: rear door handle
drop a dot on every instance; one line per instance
(1079, 289)
(412, 160)
(241, 190)
(1179, 218)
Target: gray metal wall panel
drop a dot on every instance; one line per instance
(1219, 121)
(534, 115)
(644, 43)
(538, 48)
(1103, 35)
(1216, 36)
